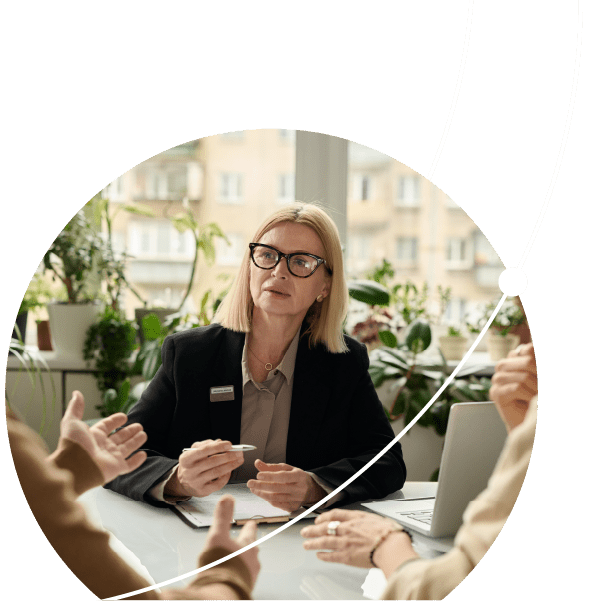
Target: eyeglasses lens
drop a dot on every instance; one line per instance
(300, 265)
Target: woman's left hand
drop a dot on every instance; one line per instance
(285, 486)
(356, 536)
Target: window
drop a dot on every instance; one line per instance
(408, 191)
(231, 188)
(406, 250)
(231, 254)
(459, 254)
(361, 187)
(115, 191)
(288, 135)
(286, 188)
(359, 252)
(156, 239)
(455, 312)
(170, 182)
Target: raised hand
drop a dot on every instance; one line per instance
(219, 535)
(285, 486)
(110, 452)
(514, 384)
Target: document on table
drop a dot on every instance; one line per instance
(198, 511)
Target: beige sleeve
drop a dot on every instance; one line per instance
(482, 522)
(51, 495)
(232, 573)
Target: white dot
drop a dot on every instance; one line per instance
(513, 281)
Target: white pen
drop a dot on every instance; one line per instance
(242, 447)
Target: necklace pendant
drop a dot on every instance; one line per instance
(268, 367)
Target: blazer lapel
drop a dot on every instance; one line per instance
(310, 392)
(226, 415)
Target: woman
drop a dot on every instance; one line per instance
(276, 372)
(87, 457)
(367, 540)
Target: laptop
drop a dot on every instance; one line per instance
(473, 443)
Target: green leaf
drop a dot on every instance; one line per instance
(183, 222)
(419, 336)
(369, 292)
(377, 375)
(139, 209)
(123, 394)
(388, 338)
(394, 357)
(400, 403)
(98, 208)
(151, 326)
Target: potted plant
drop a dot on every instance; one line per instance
(109, 344)
(501, 338)
(391, 307)
(412, 384)
(454, 345)
(72, 260)
(36, 298)
(38, 373)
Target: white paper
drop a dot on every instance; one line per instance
(199, 510)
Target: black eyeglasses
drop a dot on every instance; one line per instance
(301, 265)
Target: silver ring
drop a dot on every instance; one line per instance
(332, 526)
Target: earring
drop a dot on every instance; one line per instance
(319, 298)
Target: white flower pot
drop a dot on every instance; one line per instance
(453, 348)
(499, 346)
(69, 323)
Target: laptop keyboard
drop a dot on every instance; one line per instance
(424, 516)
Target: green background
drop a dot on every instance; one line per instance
(91, 90)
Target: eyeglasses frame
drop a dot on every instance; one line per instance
(253, 245)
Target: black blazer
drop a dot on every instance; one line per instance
(336, 426)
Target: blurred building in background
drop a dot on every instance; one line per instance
(237, 179)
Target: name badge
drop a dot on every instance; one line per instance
(225, 393)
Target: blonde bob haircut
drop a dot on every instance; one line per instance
(325, 319)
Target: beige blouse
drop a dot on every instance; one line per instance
(483, 520)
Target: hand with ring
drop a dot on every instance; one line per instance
(350, 536)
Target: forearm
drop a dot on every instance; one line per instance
(394, 551)
(174, 490)
(230, 580)
(138, 483)
(74, 458)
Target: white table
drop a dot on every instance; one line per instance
(167, 547)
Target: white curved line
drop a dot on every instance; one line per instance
(564, 141)
(465, 357)
(447, 127)
(341, 487)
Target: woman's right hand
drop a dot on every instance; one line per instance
(514, 384)
(204, 469)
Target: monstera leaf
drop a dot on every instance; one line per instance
(370, 292)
